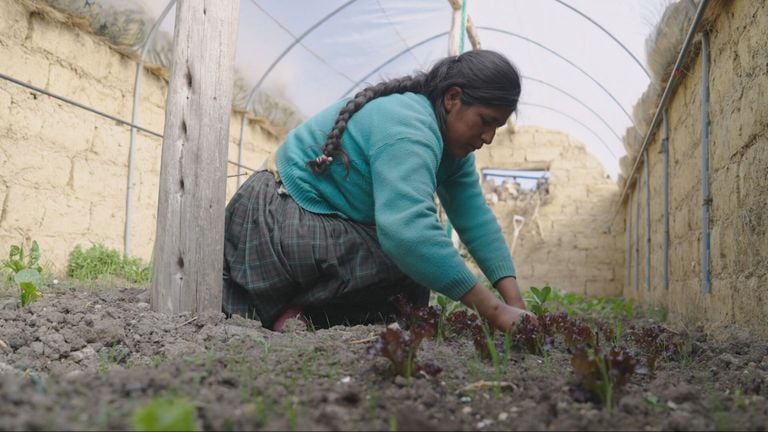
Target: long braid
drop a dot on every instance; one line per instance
(332, 147)
(485, 78)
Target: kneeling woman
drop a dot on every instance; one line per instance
(344, 216)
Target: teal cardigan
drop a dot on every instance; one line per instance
(396, 165)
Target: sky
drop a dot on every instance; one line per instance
(576, 78)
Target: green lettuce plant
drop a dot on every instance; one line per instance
(26, 271)
(535, 299)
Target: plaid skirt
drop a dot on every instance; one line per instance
(278, 255)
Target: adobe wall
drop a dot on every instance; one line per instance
(564, 241)
(738, 159)
(64, 170)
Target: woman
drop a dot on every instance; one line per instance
(344, 217)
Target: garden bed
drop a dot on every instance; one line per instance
(91, 358)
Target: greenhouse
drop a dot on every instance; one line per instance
(583, 247)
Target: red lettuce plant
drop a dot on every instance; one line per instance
(401, 346)
(654, 342)
(600, 375)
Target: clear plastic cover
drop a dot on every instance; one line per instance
(577, 77)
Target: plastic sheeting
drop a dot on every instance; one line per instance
(579, 79)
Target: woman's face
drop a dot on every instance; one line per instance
(469, 127)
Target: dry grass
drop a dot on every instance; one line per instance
(663, 47)
(124, 31)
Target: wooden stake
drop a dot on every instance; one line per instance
(188, 253)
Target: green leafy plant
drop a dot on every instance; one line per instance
(599, 307)
(26, 272)
(99, 260)
(446, 307)
(535, 299)
(166, 414)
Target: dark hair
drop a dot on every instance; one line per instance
(485, 78)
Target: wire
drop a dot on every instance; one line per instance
(93, 110)
(399, 35)
(317, 56)
(77, 104)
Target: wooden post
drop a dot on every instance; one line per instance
(189, 243)
(455, 32)
(474, 38)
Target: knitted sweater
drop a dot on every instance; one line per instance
(396, 164)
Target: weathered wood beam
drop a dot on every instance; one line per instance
(188, 253)
(455, 32)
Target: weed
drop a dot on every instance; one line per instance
(447, 307)
(98, 261)
(166, 414)
(26, 272)
(654, 401)
(392, 424)
(291, 414)
(373, 405)
(720, 414)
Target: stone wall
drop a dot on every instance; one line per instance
(64, 170)
(738, 159)
(564, 241)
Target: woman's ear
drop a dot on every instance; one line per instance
(452, 98)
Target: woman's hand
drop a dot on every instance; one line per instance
(501, 316)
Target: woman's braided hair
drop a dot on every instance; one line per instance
(485, 78)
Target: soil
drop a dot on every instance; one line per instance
(88, 358)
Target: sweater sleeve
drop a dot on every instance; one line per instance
(403, 175)
(478, 229)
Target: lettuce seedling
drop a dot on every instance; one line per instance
(417, 316)
(531, 337)
(654, 341)
(464, 323)
(400, 347)
(535, 298)
(600, 375)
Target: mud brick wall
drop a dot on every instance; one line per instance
(566, 243)
(64, 170)
(738, 159)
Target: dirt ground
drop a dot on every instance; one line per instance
(87, 358)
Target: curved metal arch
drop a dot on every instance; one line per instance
(252, 93)
(393, 58)
(509, 33)
(296, 41)
(577, 100)
(555, 110)
(588, 18)
(134, 120)
(429, 39)
(522, 76)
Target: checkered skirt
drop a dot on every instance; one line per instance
(277, 255)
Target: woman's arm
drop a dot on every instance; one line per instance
(510, 291)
